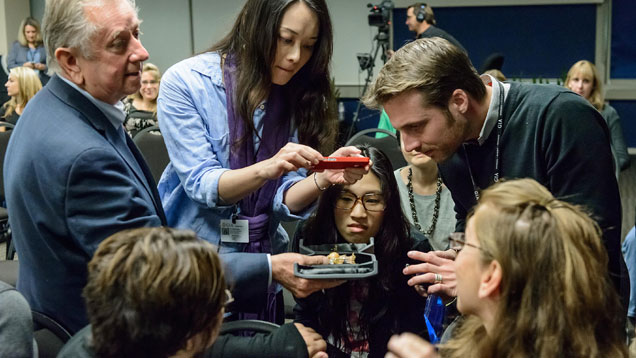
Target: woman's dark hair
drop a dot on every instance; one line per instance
(252, 43)
(392, 242)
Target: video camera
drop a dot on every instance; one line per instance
(380, 15)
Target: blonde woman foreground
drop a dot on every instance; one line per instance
(531, 280)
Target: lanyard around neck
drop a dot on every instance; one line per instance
(495, 178)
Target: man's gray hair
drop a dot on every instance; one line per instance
(65, 24)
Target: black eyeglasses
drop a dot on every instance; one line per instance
(370, 201)
(457, 242)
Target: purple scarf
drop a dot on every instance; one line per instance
(256, 207)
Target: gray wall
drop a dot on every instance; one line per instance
(12, 12)
(166, 30)
(37, 9)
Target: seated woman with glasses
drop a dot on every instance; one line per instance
(532, 281)
(358, 317)
(141, 106)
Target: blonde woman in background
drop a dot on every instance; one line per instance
(532, 281)
(22, 85)
(28, 50)
(583, 79)
(141, 107)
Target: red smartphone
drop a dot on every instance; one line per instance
(340, 163)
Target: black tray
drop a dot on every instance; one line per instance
(366, 264)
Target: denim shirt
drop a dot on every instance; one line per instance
(192, 114)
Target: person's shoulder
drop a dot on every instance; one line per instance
(4, 287)
(558, 107)
(538, 89)
(79, 345)
(609, 111)
(206, 64)
(542, 95)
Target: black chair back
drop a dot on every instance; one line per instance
(153, 148)
(5, 230)
(389, 145)
(4, 77)
(49, 335)
(4, 143)
(248, 325)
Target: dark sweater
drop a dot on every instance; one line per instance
(557, 138)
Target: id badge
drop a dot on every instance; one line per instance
(236, 231)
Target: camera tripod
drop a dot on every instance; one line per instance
(380, 42)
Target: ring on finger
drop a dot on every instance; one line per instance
(438, 278)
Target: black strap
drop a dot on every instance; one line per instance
(497, 145)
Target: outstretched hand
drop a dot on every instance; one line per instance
(434, 262)
(283, 273)
(409, 345)
(316, 345)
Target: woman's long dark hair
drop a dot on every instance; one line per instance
(392, 242)
(252, 43)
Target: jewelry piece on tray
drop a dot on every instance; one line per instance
(337, 259)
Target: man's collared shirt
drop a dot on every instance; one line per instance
(114, 112)
(493, 108)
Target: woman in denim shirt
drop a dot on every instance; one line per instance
(243, 123)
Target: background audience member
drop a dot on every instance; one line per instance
(421, 20)
(479, 130)
(556, 302)
(241, 122)
(583, 79)
(141, 106)
(28, 50)
(358, 317)
(16, 324)
(426, 201)
(22, 85)
(152, 292)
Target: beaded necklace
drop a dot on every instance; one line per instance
(438, 197)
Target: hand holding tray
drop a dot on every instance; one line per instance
(366, 265)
